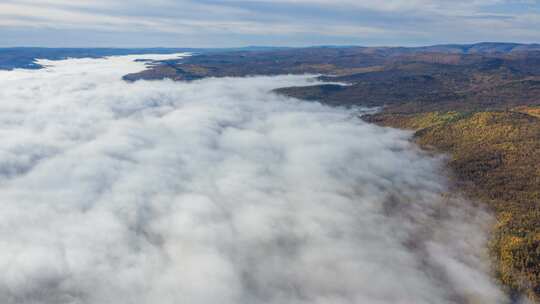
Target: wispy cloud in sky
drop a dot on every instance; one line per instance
(270, 22)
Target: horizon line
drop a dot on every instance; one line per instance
(271, 46)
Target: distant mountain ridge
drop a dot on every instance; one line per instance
(24, 57)
(473, 48)
(476, 48)
(481, 48)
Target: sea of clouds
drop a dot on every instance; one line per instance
(219, 191)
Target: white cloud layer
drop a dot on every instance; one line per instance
(218, 191)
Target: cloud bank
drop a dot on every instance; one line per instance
(218, 191)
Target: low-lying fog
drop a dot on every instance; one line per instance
(219, 191)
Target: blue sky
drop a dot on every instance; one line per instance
(228, 23)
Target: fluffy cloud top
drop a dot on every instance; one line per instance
(218, 191)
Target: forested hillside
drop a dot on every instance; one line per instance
(495, 158)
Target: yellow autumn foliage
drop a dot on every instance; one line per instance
(495, 157)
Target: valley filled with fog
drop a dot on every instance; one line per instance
(220, 191)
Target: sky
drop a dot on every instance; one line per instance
(233, 23)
